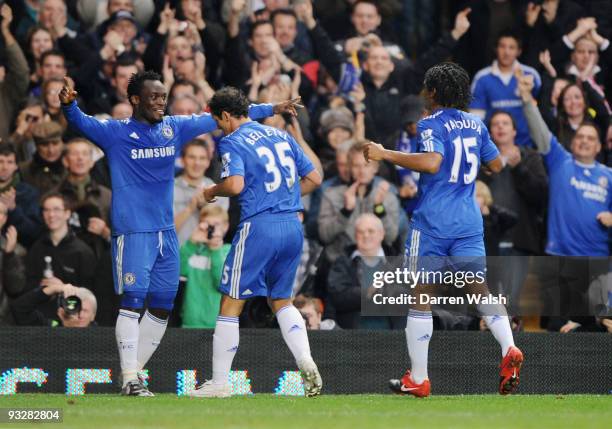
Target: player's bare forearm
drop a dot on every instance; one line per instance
(312, 157)
(310, 182)
(496, 165)
(229, 187)
(421, 162)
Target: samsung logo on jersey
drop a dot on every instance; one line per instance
(158, 152)
(464, 124)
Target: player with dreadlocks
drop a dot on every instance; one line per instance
(141, 153)
(446, 231)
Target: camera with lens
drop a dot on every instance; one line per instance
(211, 232)
(70, 304)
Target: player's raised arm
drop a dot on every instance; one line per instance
(93, 129)
(428, 162)
(314, 181)
(308, 164)
(538, 130)
(195, 125)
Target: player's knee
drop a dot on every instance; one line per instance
(277, 304)
(133, 300)
(160, 313)
(161, 301)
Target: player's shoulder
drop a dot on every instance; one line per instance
(431, 125)
(432, 120)
(121, 124)
(473, 117)
(228, 141)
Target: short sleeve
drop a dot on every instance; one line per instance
(488, 150)
(232, 163)
(556, 155)
(429, 138)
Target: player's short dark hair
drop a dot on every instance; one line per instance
(7, 149)
(502, 112)
(509, 33)
(138, 79)
(194, 143)
(450, 85)
(230, 100)
(258, 24)
(282, 11)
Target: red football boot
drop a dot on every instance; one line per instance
(510, 371)
(406, 386)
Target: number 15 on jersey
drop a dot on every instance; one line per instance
(464, 145)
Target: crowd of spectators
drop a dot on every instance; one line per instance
(539, 68)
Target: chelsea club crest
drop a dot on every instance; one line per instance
(129, 279)
(167, 132)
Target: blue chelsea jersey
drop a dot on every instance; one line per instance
(271, 162)
(446, 206)
(578, 193)
(141, 162)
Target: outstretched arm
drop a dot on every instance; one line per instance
(428, 162)
(538, 130)
(95, 130)
(195, 125)
(229, 187)
(310, 182)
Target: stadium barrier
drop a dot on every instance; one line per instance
(78, 361)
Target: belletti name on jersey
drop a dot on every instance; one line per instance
(269, 132)
(158, 152)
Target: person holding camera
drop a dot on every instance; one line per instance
(202, 258)
(188, 199)
(76, 306)
(32, 114)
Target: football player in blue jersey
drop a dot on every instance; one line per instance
(269, 172)
(141, 152)
(446, 230)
